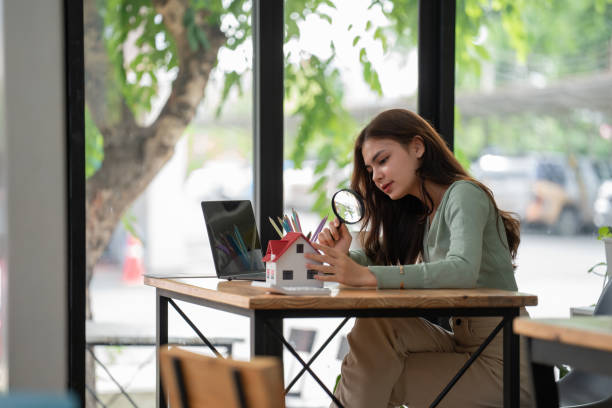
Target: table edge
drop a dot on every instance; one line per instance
(574, 336)
(271, 302)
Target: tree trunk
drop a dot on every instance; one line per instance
(134, 154)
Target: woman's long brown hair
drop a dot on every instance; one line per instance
(392, 231)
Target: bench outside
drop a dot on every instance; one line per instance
(123, 334)
(106, 334)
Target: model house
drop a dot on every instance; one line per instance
(285, 262)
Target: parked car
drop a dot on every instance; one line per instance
(603, 168)
(603, 205)
(545, 190)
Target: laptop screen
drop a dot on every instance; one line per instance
(233, 237)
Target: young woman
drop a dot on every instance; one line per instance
(427, 224)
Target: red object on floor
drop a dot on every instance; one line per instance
(133, 268)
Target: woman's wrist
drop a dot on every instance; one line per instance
(370, 279)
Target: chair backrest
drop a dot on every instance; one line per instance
(604, 304)
(193, 380)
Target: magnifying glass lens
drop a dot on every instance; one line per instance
(347, 206)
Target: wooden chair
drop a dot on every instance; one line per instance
(192, 380)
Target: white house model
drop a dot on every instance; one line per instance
(285, 262)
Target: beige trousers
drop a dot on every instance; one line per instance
(395, 361)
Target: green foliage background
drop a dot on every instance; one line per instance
(548, 37)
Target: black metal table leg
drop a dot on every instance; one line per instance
(195, 329)
(511, 363)
(161, 330)
(467, 365)
(279, 335)
(543, 379)
(263, 340)
(315, 355)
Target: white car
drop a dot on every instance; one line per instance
(547, 190)
(603, 205)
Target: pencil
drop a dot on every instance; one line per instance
(297, 220)
(278, 231)
(319, 228)
(285, 226)
(287, 223)
(294, 223)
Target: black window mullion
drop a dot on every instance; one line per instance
(436, 91)
(268, 88)
(75, 172)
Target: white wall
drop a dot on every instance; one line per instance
(36, 189)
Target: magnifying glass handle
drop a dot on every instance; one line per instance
(343, 233)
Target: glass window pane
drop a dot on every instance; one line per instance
(345, 61)
(168, 124)
(533, 122)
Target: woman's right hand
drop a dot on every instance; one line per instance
(336, 235)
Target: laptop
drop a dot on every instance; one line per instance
(234, 240)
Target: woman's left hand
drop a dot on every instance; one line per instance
(341, 268)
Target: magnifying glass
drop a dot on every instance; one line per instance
(348, 206)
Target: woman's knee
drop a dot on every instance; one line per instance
(372, 334)
(382, 333)
(379, 327)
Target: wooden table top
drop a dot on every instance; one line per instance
(585, 331)
(241, 294)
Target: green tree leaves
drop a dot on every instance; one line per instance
(94, 146)
(195, 35)
(141, 48)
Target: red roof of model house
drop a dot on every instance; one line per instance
(279, 246)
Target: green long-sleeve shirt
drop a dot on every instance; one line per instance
(465, 247)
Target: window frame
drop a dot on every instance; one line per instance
(74, 57)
